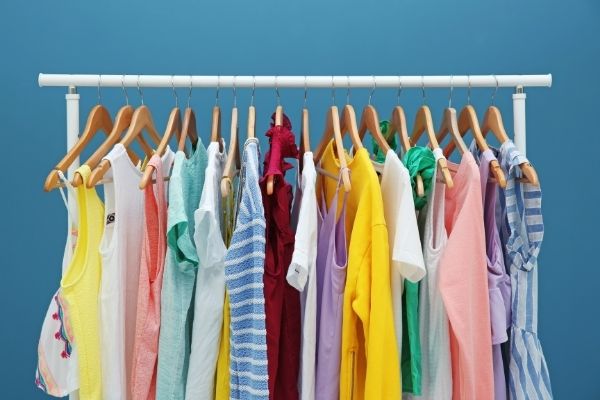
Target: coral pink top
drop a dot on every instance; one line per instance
(464, 286)
(145, 352)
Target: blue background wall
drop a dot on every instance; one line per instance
(305, 37)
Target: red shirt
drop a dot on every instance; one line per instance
(282, 301)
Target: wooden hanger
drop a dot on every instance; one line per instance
(278, 122)
(492, 122)
(173, 127)
(98, 120)
(333, 129)
(140, 121)
(304, 138)
(215, 131)
(122, 121)
(398, 125)
(369, 122)
(424, 123)
(347, 125)
(188, 129)
(450, 125)
(233, 158)
(467, 121)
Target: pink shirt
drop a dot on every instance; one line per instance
(145, 351)
(464, 286)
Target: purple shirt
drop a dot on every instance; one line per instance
(498, 279)
(331, 279)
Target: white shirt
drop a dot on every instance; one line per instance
(403, 234)
(121, 251)
(302, 275)
(436, 368)
(210, 282)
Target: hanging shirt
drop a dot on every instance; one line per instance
(244, 269)
(145, 352)
(282, 301)
(464, 286)
(498, 279)
(121, 250)
(436, 366)
(522, 219)
(80, 286)
(369, 366)
(302, 273)
(210, 281)
(57, 371)
(331, 277)
(179, 276)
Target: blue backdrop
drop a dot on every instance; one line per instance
(305, 37)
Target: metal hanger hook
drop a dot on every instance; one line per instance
(305, 91)
(399, 90)
(372, 89)
(469, 89)
(348, 89)
(124, 90)
(495, 91)
(423, 89)
(277, 96)
(234, 93)
(218, 88)
(99, 84)
(174, 92)
(140, 90)
(253, 90)
(451, 89)
(189, 93)
(332, 91)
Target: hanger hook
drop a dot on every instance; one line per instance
(218, 88)
(140, 90)
(332, 91)
(174, 92)
(189, 93)
(372, 88)
(423, 89)
(99, 84)
(253, 90)
(124, 90)
(495, 91)
(469, 89)
(277, 91)
(399, 90)
(234, 93)
(450, 94)
(305, 91)
(348, 89)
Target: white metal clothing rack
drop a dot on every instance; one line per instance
(519, 82)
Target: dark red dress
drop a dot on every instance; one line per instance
(282, 301)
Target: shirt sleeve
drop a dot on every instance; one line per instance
(304, 245)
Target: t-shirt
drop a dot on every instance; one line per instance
(369, 356)
(405, 248)
(121, 250)
(177, 311)
(210, 281)
(80, 286)
(464, 286)
(145, 352)
(301, 274)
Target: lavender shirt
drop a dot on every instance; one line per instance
(498, 279)
(331, 279)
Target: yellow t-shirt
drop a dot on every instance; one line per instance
(370, 367)
(80, 286)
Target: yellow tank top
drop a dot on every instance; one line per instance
(222, 382)
(80, 286)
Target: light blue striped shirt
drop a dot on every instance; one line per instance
(244, 268)
(524, 231)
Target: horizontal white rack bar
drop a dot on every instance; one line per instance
(326, 81)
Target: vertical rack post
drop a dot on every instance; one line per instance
(72, 100)
(519, 119)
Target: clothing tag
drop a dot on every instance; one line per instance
(110, 218)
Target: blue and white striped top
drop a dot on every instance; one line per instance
(244, 268)
(524, 231)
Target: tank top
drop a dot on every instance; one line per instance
(80, 286)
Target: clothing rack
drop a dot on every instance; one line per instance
(519, 82)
